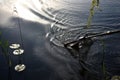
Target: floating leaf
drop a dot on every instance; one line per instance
(20, 67)
(14, 46)
(18, 52)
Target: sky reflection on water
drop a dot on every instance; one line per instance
(58, 17)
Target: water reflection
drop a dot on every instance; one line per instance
(48, 24)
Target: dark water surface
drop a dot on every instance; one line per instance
(46, 25)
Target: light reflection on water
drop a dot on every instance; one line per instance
(70, 18)
(64, 20)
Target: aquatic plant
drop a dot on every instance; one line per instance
(95, 3)
(4, 45)
(104, 71)
(4, 48)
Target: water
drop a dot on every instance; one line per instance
(47, 25)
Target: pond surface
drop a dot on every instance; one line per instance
(42, 27)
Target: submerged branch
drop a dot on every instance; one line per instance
(87, 36)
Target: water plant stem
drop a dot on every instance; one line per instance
(4, 48)
(95, 3)
(104, 71)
